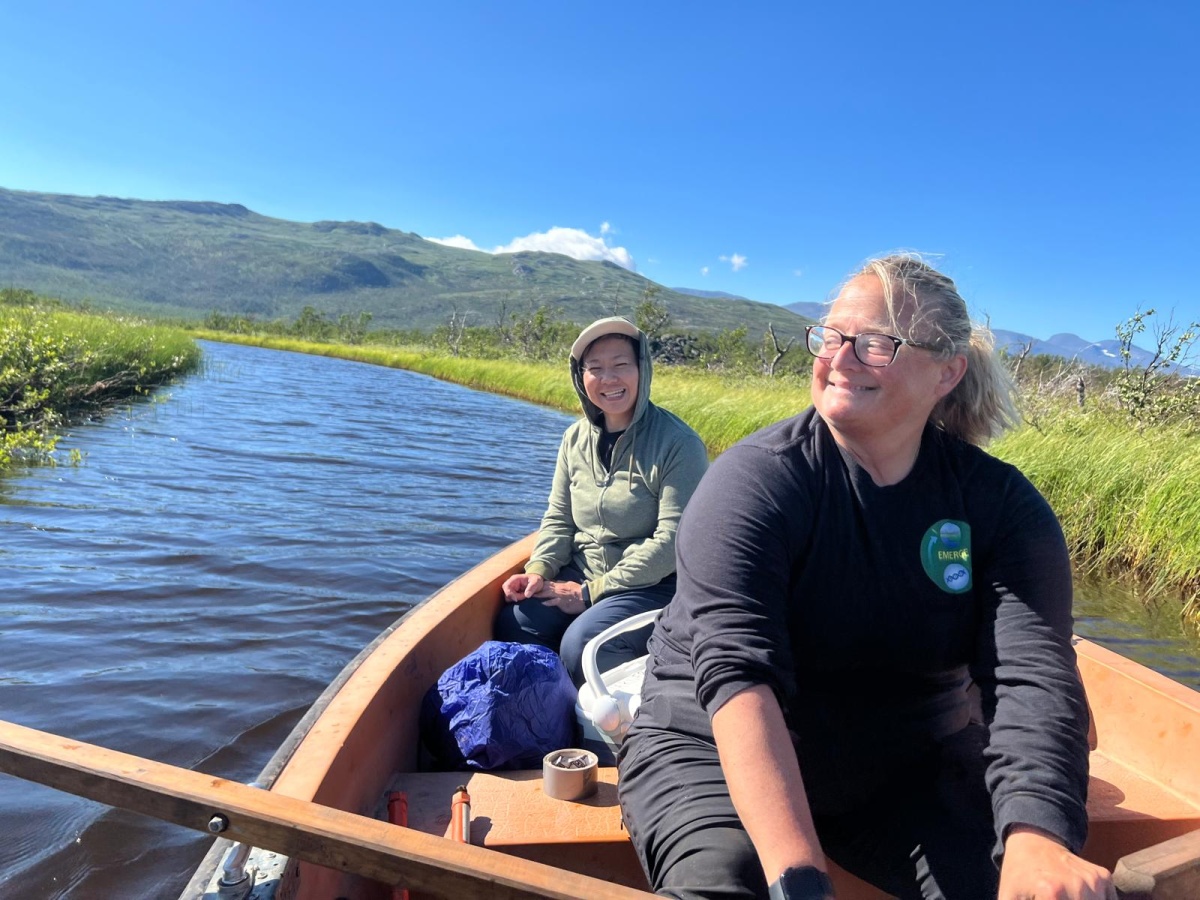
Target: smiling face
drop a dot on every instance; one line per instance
(878, 407)
(610, 380)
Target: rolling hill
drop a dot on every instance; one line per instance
(189, 258)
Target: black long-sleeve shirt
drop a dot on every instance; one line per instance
(869, 609)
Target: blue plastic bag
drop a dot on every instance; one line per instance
(504, 706)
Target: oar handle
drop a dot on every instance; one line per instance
(299, 829)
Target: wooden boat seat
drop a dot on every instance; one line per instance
(511, 809)
(509, 812)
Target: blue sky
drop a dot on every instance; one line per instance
(1045, 154)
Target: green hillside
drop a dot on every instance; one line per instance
(187, 259)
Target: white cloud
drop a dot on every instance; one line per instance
(704, 271)
(736, 261)
(573, 242)
(799, 273)
(463, 243)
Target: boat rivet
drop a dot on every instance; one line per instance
(217, 824)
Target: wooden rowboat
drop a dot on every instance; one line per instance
(323, 824)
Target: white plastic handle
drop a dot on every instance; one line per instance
(591, 672)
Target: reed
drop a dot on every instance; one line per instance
(1126, 498)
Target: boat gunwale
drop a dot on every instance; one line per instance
(1123, 692)
(310, 765)
(324, 753)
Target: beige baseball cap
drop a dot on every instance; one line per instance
(600, 328)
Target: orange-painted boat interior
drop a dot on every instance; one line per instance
(1145, 782)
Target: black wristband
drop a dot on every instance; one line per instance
(802, 883)
(587, 596)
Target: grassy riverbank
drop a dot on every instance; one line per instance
(57, 365)
(1126, 497)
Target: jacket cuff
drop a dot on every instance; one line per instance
(595, 589)
(540, 567)
(1028, 809)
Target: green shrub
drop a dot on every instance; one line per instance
(56, 365)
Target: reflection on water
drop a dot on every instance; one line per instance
(1150, 634)
(189, 590)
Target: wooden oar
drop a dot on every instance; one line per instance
(318, 834)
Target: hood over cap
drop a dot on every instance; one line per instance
(603, 328)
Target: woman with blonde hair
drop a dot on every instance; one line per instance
(847, 579)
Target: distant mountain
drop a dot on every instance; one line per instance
(1073, 347)
(711, 295)
(814, 311)
(190, 258)
(809, 311)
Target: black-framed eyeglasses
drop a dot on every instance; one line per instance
(872, 349)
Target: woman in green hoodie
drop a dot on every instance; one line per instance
(606, 546)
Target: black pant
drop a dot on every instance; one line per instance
(929, 836)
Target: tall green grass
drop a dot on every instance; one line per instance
(1127, 499)
(56, 365)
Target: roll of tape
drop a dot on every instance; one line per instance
(569, 774)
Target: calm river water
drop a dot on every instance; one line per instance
(222, 552)
(189, 590)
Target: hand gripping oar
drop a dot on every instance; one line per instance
(301, 830)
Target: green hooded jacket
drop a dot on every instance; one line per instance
(617, 525)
